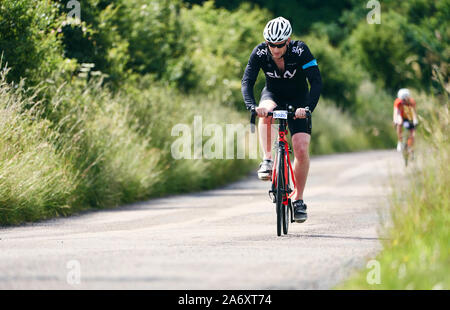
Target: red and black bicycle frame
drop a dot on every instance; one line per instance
(285, 165)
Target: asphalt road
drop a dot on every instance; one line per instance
(219, 239)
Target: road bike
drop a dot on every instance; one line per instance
(407, 150)
(282, 174)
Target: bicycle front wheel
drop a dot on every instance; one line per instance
(281, 192)
(286, 217)
(405, 152)
(279, 206)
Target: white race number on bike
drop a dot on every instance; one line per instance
(280, 114)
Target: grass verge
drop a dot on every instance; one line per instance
(416, 254)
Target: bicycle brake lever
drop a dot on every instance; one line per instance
(308, 112)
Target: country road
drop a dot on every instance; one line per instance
(218, 239)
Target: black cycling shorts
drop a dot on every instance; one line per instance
(408, 124)
(295, 125)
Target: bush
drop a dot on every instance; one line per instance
(220, 43)
(30, 39)
(153, 32)
(384, 52)
(340, 76)
(96, 39)
(373, 114)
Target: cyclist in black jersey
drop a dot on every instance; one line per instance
(287, 65)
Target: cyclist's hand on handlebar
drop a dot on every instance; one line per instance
(261, 111)
(300, 113)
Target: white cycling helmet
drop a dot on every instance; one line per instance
(403, 93)
(277, 30)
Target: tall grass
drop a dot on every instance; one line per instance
(417, 255)
(81, 146)
(334, 130)
(35, 182)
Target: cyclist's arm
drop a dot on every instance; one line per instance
(312, 72)
(248, 81)
(315, 80)
(397, 118)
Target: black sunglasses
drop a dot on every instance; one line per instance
(277, 45)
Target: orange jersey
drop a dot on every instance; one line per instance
(406, 107)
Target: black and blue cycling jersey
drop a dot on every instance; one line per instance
(299, 65)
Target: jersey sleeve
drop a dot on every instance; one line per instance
(309, 65)
(307, 60)
(249, 79)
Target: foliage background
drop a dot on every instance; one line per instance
(101, 93)
(87, 105)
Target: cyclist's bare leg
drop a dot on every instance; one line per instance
(300, 144)
(399, 132)
(411, 139)
(267, 132)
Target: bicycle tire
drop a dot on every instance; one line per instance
(285, 219)
(286, 207)
(279, 206)
(291, 211)
(280, 194)
(405, 153)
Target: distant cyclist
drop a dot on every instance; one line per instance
(405, 116)
(287, 65)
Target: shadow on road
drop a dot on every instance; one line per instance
(333, 237)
